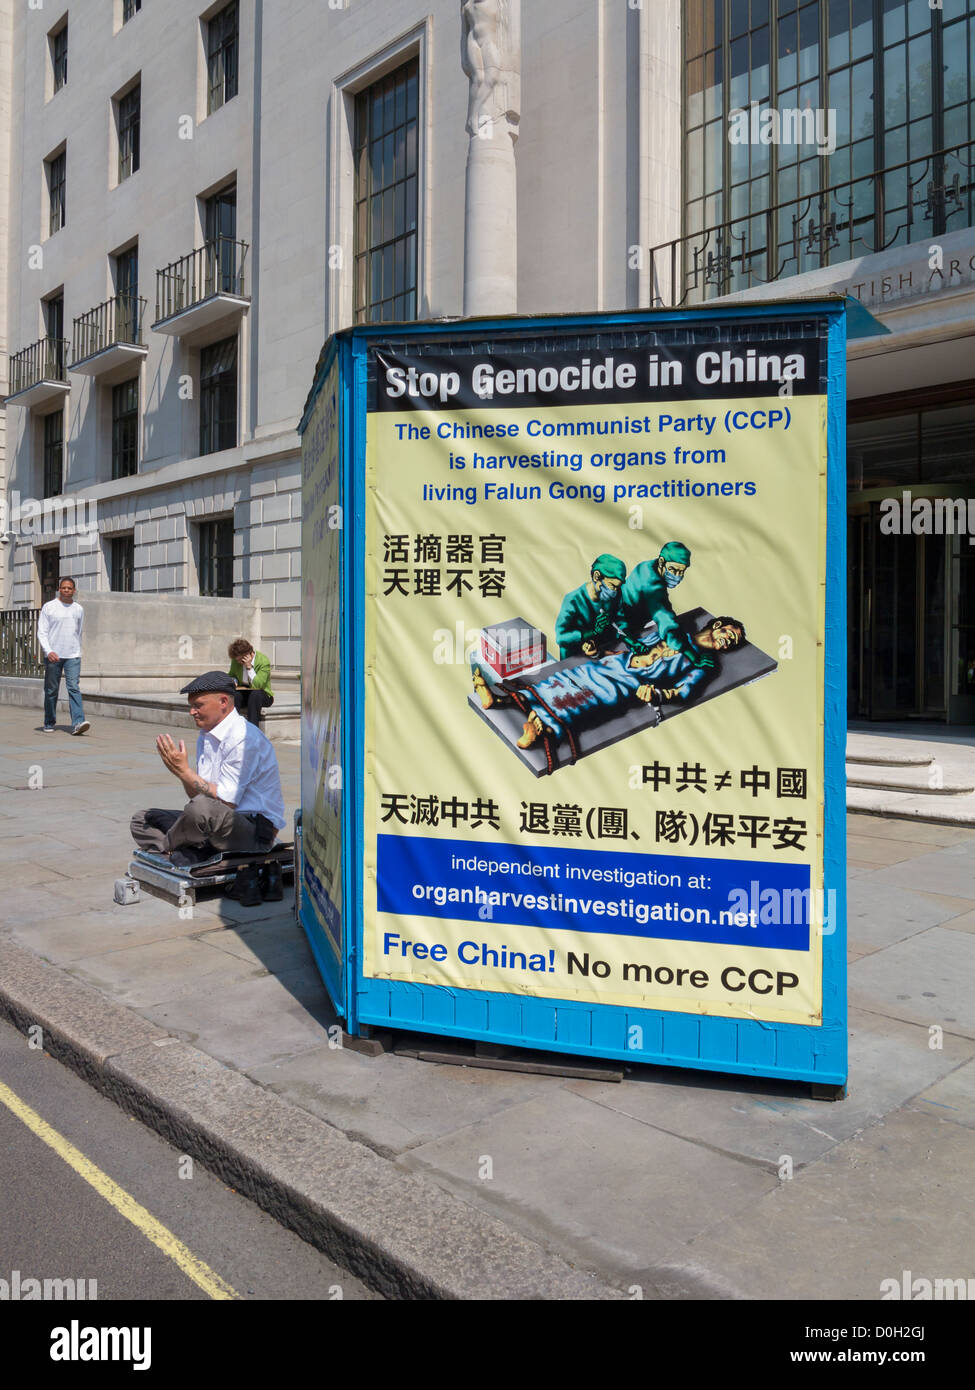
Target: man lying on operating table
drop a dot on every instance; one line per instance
(579, 696)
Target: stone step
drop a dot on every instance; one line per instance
(913, 779)
(891, 752)
(886, 760)
(942, 810)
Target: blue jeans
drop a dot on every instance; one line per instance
(70, 667)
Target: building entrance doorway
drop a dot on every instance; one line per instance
(898, 622)
(48, 570)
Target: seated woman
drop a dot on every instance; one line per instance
(251, 671)
(558, 706)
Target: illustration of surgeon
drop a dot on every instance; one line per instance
(645, 598)
(593, 692)
(585, 621)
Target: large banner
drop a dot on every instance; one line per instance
(595, 592)
(321, 705)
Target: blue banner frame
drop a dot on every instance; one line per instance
(704, 1042)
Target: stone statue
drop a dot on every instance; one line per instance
(490, 57)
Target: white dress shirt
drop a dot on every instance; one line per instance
(240, 760)
(59, 628)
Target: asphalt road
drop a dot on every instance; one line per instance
(187, 1236)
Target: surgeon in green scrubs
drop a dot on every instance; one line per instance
(585, 622)
(645, 598)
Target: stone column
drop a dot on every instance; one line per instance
(491, 58)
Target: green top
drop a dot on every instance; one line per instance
(581, 619)
(645, 598)
(260, 674)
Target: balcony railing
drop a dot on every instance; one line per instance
(20, 654)
(118, 320)
(904, 203)
(42, 361)
(217, 267)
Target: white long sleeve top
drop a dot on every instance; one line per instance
(59, 628)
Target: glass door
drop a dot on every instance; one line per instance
(933, 569)
(220, 236)
(898, 632)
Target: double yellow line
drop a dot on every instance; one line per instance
(116, 1196)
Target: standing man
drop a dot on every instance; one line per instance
(59, 633)
(235, 802)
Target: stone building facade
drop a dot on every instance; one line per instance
(175, 417)
(282, 170)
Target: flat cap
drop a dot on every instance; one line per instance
(210, 683)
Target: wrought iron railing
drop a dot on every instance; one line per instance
(20, 653)
(216, 267)
(903, 203)
(43, 361)
(118, 320)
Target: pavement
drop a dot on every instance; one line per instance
(429, 1181)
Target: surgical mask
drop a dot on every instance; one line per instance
(672, 580)
(603, 592)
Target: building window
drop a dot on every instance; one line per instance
(125, 428)
(217, 558)
(218, 396)
(129, 8)
(129, 110)
(889, 164)
(932, 446)
(54, 454)
(122, 564)
(56, 192)
(222, 57)
(59, 56)
(54, 330)
(127, 326)
(386, 180)
(220, 236)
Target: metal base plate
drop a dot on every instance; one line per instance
(496, 1057)
(182, 882)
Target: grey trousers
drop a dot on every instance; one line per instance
(203, 821)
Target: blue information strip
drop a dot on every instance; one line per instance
(725, 901)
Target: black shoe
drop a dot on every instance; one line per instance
(271, 889)
(246, 887)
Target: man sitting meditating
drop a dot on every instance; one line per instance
(587, 694)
